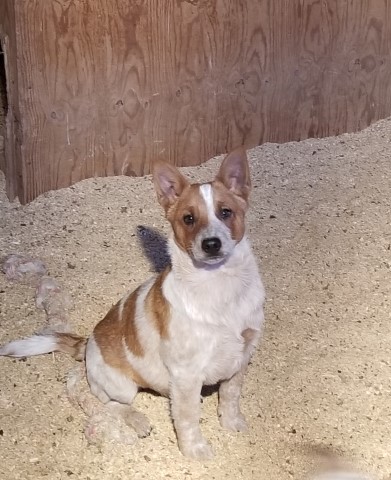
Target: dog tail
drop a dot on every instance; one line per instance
(69, 343)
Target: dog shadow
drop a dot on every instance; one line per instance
(206, 391)
(154, 246)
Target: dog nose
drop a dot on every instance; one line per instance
(211, 246)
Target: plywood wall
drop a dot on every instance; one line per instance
(106, 86)
(11, 164)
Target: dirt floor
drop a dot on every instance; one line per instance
(321, 378)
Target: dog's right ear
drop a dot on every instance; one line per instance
(234, 173)
(169, 183)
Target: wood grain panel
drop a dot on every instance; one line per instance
(107, 86)
(12, 164)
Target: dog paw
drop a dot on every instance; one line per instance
(200, 451)
(139, 422)
(105, 428)
(235, 423)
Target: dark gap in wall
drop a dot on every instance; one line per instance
(3, 106)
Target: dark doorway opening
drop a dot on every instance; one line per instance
(3, 106)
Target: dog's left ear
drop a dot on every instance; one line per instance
(234, 173)
(169, 183)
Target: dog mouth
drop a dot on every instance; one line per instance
(213, 261)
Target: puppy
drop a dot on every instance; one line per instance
(196, 323)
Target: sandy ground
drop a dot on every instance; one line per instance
(320, 226)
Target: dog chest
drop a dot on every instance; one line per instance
(212, 349)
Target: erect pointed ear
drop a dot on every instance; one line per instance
(234, 173)
(169, 183)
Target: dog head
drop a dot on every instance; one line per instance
(207, 219)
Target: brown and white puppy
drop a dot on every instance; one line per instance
(194, 324)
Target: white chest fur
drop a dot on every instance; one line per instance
(210, 310)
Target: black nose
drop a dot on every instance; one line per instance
(211, 246)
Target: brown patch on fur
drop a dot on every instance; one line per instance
(249, 335)
(72, 344)
(191, 203)
(110, 333)
(129, 326)
(157, 306)
(223, 198)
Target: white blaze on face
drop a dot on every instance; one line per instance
(215, 228)
(207, 194)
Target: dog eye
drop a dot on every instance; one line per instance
(188, 219)
(226, 213)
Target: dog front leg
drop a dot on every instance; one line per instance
(230, 416)
(186, 411)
